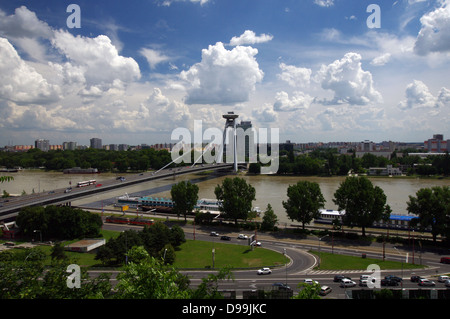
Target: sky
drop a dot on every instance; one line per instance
(134, 71)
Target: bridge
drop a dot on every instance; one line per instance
(11, 208)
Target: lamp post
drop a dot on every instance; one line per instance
(40, 233)
(285, 255)
(402, 264)
(320, 254)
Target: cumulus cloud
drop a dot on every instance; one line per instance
(349, 82)
(295, 76)
(265, 114)
(223, 76)
(98, 58)
(20, 82)
(299, 101)
(250, 37)
(418, 95)
(434, 35)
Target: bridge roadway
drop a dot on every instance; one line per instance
(10, 208)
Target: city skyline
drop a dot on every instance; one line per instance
(319, 70)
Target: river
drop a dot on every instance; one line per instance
(269, 189)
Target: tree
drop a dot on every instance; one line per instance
(269, 219)
(362, 202)
(155, 281)
(304, 201)
(184, 196)
(432, 207)
(236, 196)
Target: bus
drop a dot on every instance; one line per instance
(86, 183)
(445, 260)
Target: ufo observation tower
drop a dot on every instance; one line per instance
(230, 122)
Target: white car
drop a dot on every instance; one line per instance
(264, 271)
(242, 236)
(443, 278)
(347, 283)
(447, 283)
(310, 282)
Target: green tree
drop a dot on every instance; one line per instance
(236, 196)
(432, 207)
(363, 203)
(155, 281)
(269, 219)
(304, 201)
(184, 196)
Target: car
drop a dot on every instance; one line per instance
(389, 282)
(338, 278)
(280, 286)
(443, 278)
(213, 233)
(242, 236)
(391, 277)
(264, 271)
(415, 278)
(426, 282)
(225, 238)
(68, 190)
(310, 282)
(447, 283)
(363, 282)
(347, 283)
(325, 290)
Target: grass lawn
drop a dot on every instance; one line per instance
(342, 262)
(198, 254)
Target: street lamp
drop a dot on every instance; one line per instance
(285, 255)
(40, 233)
(320, 254)
(402, 264)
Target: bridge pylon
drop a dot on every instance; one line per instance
(230, 122)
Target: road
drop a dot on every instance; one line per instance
(10, 207)
(302, 265)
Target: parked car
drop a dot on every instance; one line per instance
(443, 278)
(325, 290)
(225, 238)
(264, 271)
(347, 283)
(426, 283)
(281, 286)
(214, 233)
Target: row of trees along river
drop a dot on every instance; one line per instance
(318, 162)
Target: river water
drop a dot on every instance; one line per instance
(269, 189)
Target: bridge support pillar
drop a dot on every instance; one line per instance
(230, 122)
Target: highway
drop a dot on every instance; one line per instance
(302, 264)
(10, 207)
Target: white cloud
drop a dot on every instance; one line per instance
(153, 57)
(381, 60)
(266, 114)
(298, 101)
(434, 35)
(418, 95)
(169, 2)
(223, 76)
(249, 37)
(99, 59)
(20, 82)
(324, 3)
(295, 76)
(348, 81)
